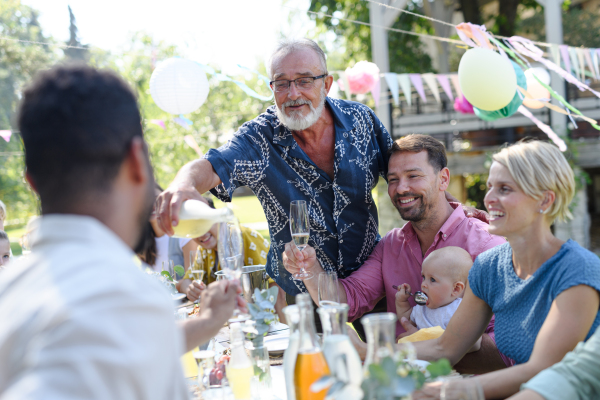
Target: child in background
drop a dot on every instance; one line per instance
(4, 249)
(445, 272)
(2, 215)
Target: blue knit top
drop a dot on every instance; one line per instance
(521, 306)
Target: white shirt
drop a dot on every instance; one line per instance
(80, 320)
(425, 317)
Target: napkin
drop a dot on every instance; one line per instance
(423, 334)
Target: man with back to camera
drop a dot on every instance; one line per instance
(79, 318)
(418, 177)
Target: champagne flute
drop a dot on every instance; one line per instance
(300, 230)
(328, 289)
(169, 266)
(231, 250)
(197, 267)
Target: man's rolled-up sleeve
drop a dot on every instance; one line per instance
(364, 287)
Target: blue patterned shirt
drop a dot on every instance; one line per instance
(264, 156)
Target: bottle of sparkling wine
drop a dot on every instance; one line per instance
(196, 218)
(239, 370)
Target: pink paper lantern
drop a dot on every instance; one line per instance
(362, 78)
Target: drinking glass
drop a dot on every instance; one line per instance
(170, 267)
(231, 250)
(197, 267)
(328, 289)
(300, 230)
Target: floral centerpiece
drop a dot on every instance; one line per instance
(263, 309)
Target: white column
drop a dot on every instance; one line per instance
(554, 34)
(379, 46)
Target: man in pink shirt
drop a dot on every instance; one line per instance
(417, 181)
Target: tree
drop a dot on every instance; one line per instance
(77, 51)
(19, 62)
(407, 53)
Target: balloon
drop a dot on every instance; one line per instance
(487, 79)
(462, 105)
(536, 91)
(541, 73)
(179, 86)
(512, 107)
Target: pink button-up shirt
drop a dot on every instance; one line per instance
(397, 259)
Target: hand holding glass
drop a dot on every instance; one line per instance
(300, 230)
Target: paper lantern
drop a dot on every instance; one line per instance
(362, 78)
(541, 73)
(179, 86)
(514, 104)
(487, 79)
(536, 91)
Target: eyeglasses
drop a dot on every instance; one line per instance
(301, 83)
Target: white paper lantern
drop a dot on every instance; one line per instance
(179, 86)
(541, 73)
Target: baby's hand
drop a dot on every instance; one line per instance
(402, 294)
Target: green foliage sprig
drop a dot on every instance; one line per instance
(263, 309)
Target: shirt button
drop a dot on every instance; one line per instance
(445, 235)
(336, 213)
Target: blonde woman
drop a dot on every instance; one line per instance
(543, 290)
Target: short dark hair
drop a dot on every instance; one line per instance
(416, 143)
(3, 235)
(77, 124)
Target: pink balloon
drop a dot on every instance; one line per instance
(461, 104)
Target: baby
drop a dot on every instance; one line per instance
(445, 272)
(4, 249)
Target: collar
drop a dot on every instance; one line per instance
(342, 121)
(457, 216)
(55, 229)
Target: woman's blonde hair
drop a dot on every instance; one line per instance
(538, 166)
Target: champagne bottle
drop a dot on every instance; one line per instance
(196, 218)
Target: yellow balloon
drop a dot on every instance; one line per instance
(536, 91)
(487, 79)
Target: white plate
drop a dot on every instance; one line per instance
(177, 296)
(277, 343)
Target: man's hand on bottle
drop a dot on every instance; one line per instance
(168, 204)
(294, 259)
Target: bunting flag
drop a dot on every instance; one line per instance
(183, 122)
(6, 134)
(417, 82)
(404, 81)
(190, 141)
(445, 84)
(581, 63)
(555, 53)
(158, 122)
(574, 62)
(431, 82)
(594, 55)
(392, 82)
(222, 77)
(456, 84)
(564, 52)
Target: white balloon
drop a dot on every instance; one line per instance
(487, 79)
(179, 86)
(541, 73)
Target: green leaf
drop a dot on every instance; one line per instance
(179, 270)
(440, 367)
(389, 366)
(403, 386)
(377, 372)
(419, 378)
(257, 370)
(167, 275)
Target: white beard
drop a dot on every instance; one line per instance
(296, 122)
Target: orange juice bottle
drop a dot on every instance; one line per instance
(309, 368)
(310, 363)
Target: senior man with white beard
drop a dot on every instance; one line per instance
(309, 147)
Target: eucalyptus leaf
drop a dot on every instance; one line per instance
(440, 367)
(389, 366)
(256, 295)
(403, 386)
(377, 372)
(322, 383)
(167, 275)
(179, 270)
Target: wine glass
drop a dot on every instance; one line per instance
(197, 267)
(300, 230)
(169, 266)
(328, 289)
(231, 250)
